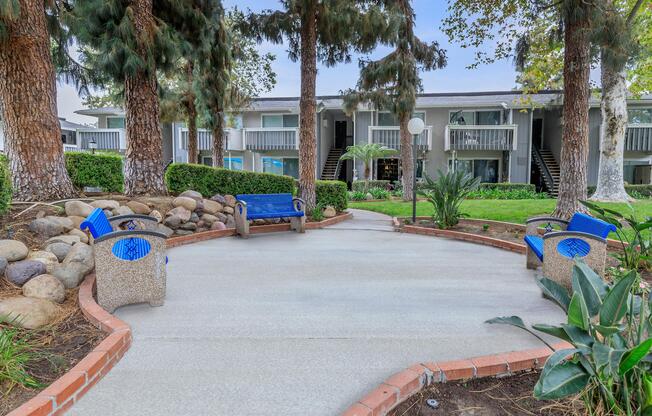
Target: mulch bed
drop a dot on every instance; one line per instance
(486, 397)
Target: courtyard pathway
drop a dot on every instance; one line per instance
(306, 324)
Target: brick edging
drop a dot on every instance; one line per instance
(459, 235)
(402, 385)
(59, 396)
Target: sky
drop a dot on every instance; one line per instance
(330, 81)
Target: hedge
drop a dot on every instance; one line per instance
(508, 186)
(363, 186)
(103, 170)
(209, 181)
(5, 185)
(635, 191)
(332, 193)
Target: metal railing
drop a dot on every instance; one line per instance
(106, 139)
(204, 139)
(390, 136)
(543, 167)
(638, 138)
(271, 138)
(460, 137)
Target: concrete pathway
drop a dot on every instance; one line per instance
(306, 324)
(365, 220)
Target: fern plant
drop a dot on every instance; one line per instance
(446, 194)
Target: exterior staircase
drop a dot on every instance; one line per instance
(331, 169)
(549, 168)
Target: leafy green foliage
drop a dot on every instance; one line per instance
(209, 181)
(367, 153)
(485, 192)
(102, 170)
(362, 186)
(379, 193)
(332, 193)
(446, 194)
(16, 353)
(357, 196)
(5, 185)
(317, 213)
(635, 191)
(610, 328)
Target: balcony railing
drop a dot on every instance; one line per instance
(204, 139)
(501, 137)
(271, 138)
(106, 139)
(638, 138)
(389, 136)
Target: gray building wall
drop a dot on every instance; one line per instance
(519, 158)
(363, 119)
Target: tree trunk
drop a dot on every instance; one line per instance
(191, 111)
(29, 109)
(575, 135)
(308, 110)
(611, 187)
(407, 157)
(218, 141)
(144, 157)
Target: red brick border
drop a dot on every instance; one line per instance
(458, 235)
(59, 396)
(402, 385)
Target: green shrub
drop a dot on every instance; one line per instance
(508, 186)
(446, 194)
(5, 185)
(379, 193)
(103, 170)
(506, 193)
(317, 213)
(635, 191)
(332, 193)
(363, 186)
(209, 181)
(357, 196)
(16, 354)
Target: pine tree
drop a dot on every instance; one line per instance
(316, 30)
(393, 82)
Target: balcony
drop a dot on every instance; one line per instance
(638, 138)
(205, 140)
(479, 137)
(389, 136)
(271, 138)
(106, 139)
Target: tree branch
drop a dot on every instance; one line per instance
(635, 10)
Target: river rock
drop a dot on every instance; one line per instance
(59, 249)
(29, 313)
(66, 238)
(165, 230)
(78, 208)
(22, 271)
(123, 210)
(71, 275)
(194, 217)
(156, 215)
(217, 225)
(45, 227)
(3, 265)
(212, 207)
(190, 226)
(221, 217)
(173, 221)
(181, 212)
(208, 219)
(83, 237)
(139, 207)
(228, 210)
(192, 194)
(230, 221)
(230, 200)
(76, 221)
(105, 204)
(329, 212)
(49, 259)
(81, 254)
(46, 287)
(110, 213)
(13, 250)
(183, 232)
(185, 202)
(65, 222)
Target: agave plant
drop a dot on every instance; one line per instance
(610, 330)
(446, 194)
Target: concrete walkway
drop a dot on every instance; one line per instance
(365, 220)
(306, 324)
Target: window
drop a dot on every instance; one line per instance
(234, 121)
(115, 122)
(387, 119)
(207, 160)
(640, 115)
(473, 118)
(280, 120)
(487, 169)
(420, 167)
(233, 163)
(281, 166)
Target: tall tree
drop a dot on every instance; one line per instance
(131, 41)
(28, 97)
(393, 81)
(316, 30)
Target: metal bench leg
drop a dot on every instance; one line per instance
(532, 261)
(298, 224)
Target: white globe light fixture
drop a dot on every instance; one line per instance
(415, 127)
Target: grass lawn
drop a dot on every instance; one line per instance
(494, 209)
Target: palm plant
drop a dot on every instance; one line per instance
(367, 153)
(446, 194)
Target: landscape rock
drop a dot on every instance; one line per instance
(194, 217)
(217, 225)
(59, 249)
(165, 230)
(65, 222)
(181, 212)
(109, 213)
(49, 259)
(156, 215)
(13, 250)
(139, 207)
(123, 210)
(369, 197)
(22, 271)
(105, 204)
(200, 206)
(3, 265)
(83, 237)
(76, 221)
(71, 274)
(45, 227)
(230, 221)
(221, 217)
(329, 212)
(29, 313)
(81, 254)
(66, 238)
(46, 287)
(183, 232)
(230, 200)
(218, 198)
(78, 208)
(185, 202)
(192, 194)
(173, 221)
(228, 210)
(208, 219)
(190, 226)
(212, 207)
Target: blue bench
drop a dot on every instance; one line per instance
(563, 241)
(265, 206)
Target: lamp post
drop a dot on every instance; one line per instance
(415, 127)
(92, 144)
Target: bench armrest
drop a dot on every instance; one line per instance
(299, 204)
(562, 235)
(532, 224)
(150, 222)
(129, 233)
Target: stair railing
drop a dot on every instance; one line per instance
(544, 168)
(337, 169)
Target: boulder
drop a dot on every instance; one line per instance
(259, 222)
(49, 259)
(217, 225)
(212, 207)
(230, 200)
(123, 210)
(46, 227)
(156, 215)
(21, 272)
(165, 230)
(59, 249)
(230, 221)
(194, 217)
(71, 275)
(329, 212)
(200, 206)
(65, 222)
(221, 217)
(183, 232)
(13, 250)
(78, 208)
(46, 287)
(219, 198)
(190, 226)
(29, 313)
(105, 204)
(185, 202)
(208, 219)
(228, 210)
(76, 221)
(192, 194)
(83, 237)
(81, 254)
(181, 212)
(109, 213)
(173, 221)
(139, 207)
(66, 238)
(369, 197)
(3, 265)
